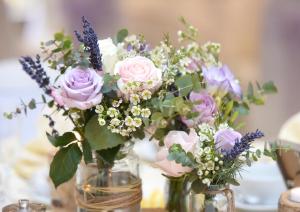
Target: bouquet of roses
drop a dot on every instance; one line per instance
(117, 91)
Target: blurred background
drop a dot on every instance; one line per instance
(260, 41)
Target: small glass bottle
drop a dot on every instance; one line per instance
(25, 206)
(216, 198)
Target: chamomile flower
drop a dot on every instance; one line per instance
(146, 94)
(137, 122)
(99, 109)
(145, 113)
(115, 122)
(134, 99)
(128, 121)
(136, 110)
(101, 121)
(210, 165)
(206, 181)
(116, 103)
(112, 112)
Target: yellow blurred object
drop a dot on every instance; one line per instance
(155, 200)
(33, 157)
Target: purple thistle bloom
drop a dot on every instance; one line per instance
(90, 41)
(242, 145)
(35, 70)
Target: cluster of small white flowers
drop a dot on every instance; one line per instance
(160, 54)
(223, 126)
(127, 121)
(207, 129)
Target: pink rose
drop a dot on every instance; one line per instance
(79, 88)
(187, 142)
(138, 69)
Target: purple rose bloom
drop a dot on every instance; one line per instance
(225, 139)
(205, 105)
(220, 81)
(79, 88)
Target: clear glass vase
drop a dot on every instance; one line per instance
(116, 189)
(176, 197)
(216, 199)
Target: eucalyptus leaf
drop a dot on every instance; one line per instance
(121, 35)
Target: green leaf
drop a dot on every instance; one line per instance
(87, 152)
(32, 104)
(234, 117)
(121, 35)
(269, 87)
(233, 181)
(44, 99)
(59, 36)
(64, 164)
(139, 133)
(60, 141)
(99, 137)
(198, 187)
(228, 108)
(184, 84)
(51, 103)
(196, 82)
(108, 155)
(243, 109)
(67, 44)
(8, 115)
(250, 90)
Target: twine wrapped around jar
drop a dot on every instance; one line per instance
(286, 205)
(111, 198)
(229, 195)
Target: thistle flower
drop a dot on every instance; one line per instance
(90, 41)
(35, 70)
(243, 144)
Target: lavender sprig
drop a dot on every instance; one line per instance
(90, 41)
(35, 70)
(243, 144)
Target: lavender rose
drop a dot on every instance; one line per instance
(79, 88)
(225, 139)
(205, 105)
(220, 81)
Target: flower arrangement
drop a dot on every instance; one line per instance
(117, 91)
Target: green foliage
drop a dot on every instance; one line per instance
(178, 154)
(198, 187)
(60, 141)
(87, 152)
(32, 104)
(269, 88)
(64, 164)
(110, 83)
(106, 157)
(184, 84)
(121, 35)
(99, 137)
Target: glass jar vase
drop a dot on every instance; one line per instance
(117, 188)
(215, 199)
